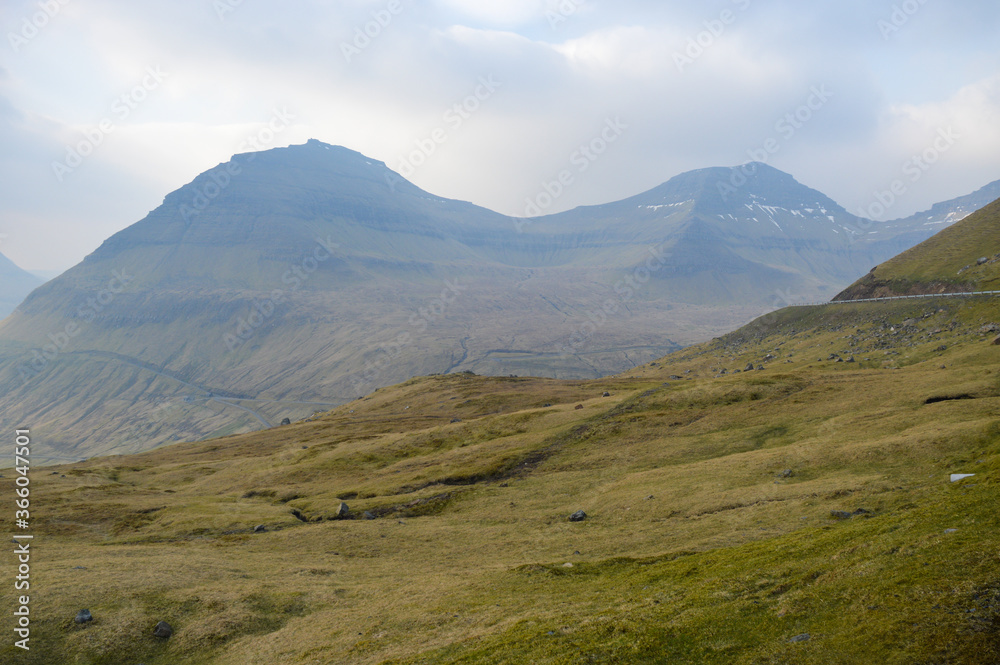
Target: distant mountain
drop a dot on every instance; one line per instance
(291, 280)
(15, 285)
(963, 257)
(899, 235)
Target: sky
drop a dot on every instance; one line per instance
(106, 106)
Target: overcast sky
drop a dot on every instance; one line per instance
(158, 91)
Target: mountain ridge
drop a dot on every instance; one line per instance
(309, 275)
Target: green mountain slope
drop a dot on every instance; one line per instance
(801, 513)
(962, 257)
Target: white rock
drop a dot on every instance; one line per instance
(955, 477)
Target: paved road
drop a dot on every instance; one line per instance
(927, 295)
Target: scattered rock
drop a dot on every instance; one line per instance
(578, 516)
(943, 347)
(760, 368)
(840, 515)
(163, 630)
(768, 357)
(804, 637)
(83, 616)
(955, 477)
(749, 367)
(650, 497)
(343, 512)
(567, 565)
(850, 360)
(260, 528)
(456, 420)
(286, 421)
(369, 515)
(606, 394)
(951, 530)
(982, 260)
(787, 473)
(996, 342)
(578, 407)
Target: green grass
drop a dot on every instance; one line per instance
(698, 547)
(944, 263)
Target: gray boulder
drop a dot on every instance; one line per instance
(83, 616)
(578, 516)
(163, 630)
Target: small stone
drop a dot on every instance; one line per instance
(163, 630)
(982, 260)
(951, 530)
(996, 342)
(840, 515)
(804, 637)
(787, 473)
(260, 528)
(368, 515)
(578, 407)
(749, 367)
(578, 516)
(342, 512)
(943, 347)
(567, 565)
(83, 616)
(286, 421)
(456, 420)
(606, 394)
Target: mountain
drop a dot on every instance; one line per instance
(909, 231)
(963, 257)
(15, 285)
(295, 279)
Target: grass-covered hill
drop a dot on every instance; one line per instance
(800, 513)
(963, 257)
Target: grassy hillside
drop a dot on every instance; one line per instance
(948, 262)
(730, 514)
